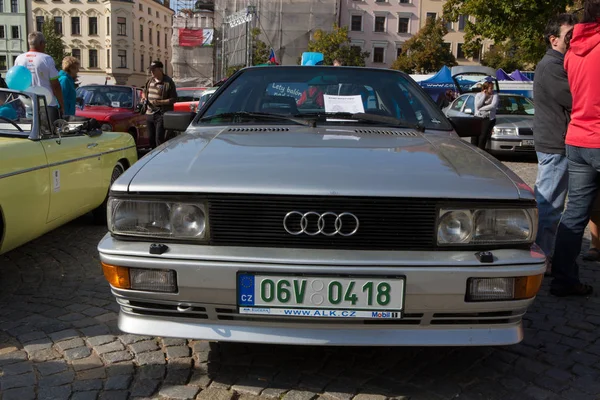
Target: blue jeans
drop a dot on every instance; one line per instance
(584, 167)
(550, 193)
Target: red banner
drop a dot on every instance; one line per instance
(195, 37)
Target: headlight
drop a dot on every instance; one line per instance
(106, 127)
(504, 131)
(486, 226)
(157, 219)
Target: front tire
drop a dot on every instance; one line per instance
(100, 212)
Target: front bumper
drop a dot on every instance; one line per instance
(512, 144)
(436, 313)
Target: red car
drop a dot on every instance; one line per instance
(116, 108)
(187, 99)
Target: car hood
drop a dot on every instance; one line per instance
(514, 121)
(102, 113)
(311, 161)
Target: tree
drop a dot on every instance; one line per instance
(54, 44)
(336, 45)
(426, 51)
(521, 22)
(260, 51)
(506, 56)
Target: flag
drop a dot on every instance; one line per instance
(272, 58)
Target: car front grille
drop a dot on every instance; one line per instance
(214, 313)
(384, 223)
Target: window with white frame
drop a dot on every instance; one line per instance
(121, 26)
(77, 54)
(403, 25)
(14, 6)
(380, 23)
(460, 53)
(58, 28)
(356, 23)
(93, 25)
(431, 16)
(398, 51)
(462, 20)
(2, 32)
(93, 58)
(39, 23)
(75, 26)
(2, 63)
(122, 54)
(15, 32)
(404, 1)
(449, 25)
(379, 54)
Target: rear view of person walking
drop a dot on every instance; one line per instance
(552, 112)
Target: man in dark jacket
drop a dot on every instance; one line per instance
(160, 94)
(552, 112)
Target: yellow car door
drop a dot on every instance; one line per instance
(74, 162)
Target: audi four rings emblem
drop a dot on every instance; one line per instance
(328, 223)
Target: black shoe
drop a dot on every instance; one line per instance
(572, 290)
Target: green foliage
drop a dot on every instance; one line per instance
(521, 22)
(54, 44)
(336, 45)
(425, 52)
(260, 51)
(233, 69)
(506, 56)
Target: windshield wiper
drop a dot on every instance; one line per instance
(365, 117)
(253, 115)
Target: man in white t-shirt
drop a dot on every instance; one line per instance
(43, 70)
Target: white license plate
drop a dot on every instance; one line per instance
(320, 296)
(527, 143)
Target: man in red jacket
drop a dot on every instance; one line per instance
(582, 63)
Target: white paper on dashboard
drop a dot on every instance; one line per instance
(349, 104)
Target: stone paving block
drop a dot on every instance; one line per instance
(250, 386)
(174, 342)
(151, 358)
(119, 382)
(91, 395)
(200, 379)
(54, 393)
(36, 345)
(144, 387)
(69, 344)
(116, 357)
(93, 311)
(129, 339)
(109, 347)
(179, 392)
(64, 335)
(11, 356)
(95, 329)
(151, 372)
(71, 317)
(143, 347)
(77, 353)
(51, 367)
(44, 355)
(107, 317)
(122, 368)
(17, 381)
(17, 368)
(90, 362)
(273, 393)
(25, 393)
(215, 394)
(114, 395)
(99, 340)
(31, 336)
(177, 376)
(181, 363)
(95, 373)
(59, 379)
(87, 385)
(304, 395)
(174, 352)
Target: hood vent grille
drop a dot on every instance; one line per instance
(383, 132)
(259, 129)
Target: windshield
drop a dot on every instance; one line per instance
(108, 96)
(309, 91)
(189, 94)
(16, 113)
(515, 105)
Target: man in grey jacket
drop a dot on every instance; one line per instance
(552, 113)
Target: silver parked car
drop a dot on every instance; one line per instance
(513, 131)
(287, 214)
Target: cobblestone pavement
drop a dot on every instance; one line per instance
(59, 340)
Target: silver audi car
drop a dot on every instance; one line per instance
(321, 205)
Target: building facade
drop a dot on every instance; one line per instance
(13, 32)
(115, 40)
(380, 26)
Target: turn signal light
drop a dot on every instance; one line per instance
(527, 287)
(117, 276)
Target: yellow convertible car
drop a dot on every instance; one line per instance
(52, 170)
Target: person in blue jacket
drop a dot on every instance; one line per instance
(66, 77)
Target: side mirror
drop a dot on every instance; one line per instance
(177, 120)
(138, 108)
(60, 126)
(467, 126)
(80, 103)
(468, 111)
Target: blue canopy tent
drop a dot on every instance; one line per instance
(501, 75)
(516, 75)
(438, 83)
